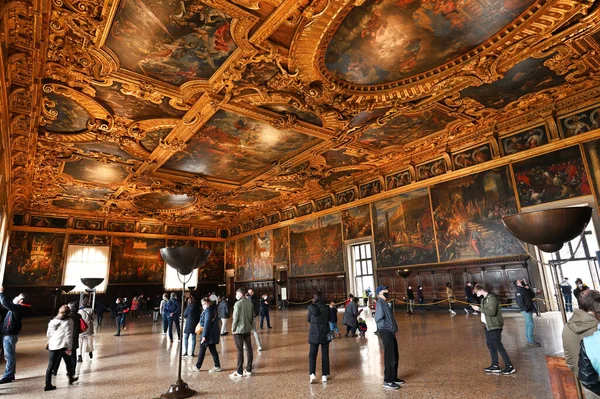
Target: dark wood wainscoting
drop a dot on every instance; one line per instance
(497, 276)
(259, 287)
(303, 288)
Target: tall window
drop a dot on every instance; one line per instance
(86, 261)
(363, 268)
(172, 282)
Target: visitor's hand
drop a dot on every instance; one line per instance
(1, 289)
(203, 339)
(475, 308)
(68, 353)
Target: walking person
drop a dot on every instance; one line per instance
(421, 297)
(163, 314)
(119, 315)
(77, 330)
(134, 307)
(579, 288)
(469, 297)
(60, 330)
(350, 319)
(241, 326)
(524, 299)
(318, 317)
(493, 323)
(333, 311)
(410, 296)
(11, 328)
(100, 308)
(192, 318)
(156, 309)
(387, 327)
(172, 308)
(264, 311)
(223, 310)
(256, 304)
(450, 296)
(210, 335)
(126, 309)
(567, 292)
(86, 338)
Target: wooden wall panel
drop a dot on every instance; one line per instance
(302, 289)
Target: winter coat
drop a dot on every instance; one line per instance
(589, 362)
(76, 329)
(566, 288)
(580, 325)
(469, 293)
(255, 304)
(223, 309)
(264, 307)
(12, 321)
(192, 318)
(333, 315)
(119, 308)
(162, 306)
(350, 315)
(384, 317)
(524, 299)
(87, 315)
(173, 308)
(410, 295)
(578, 290)
(490, 307)
(243, 316)
(60, 333)
(210, 322)
(420, 295)
(318, 317)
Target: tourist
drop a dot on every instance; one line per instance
(210, 335)
(491, 316)
(156, 309)
(567, 293)
(524, 299)
(469, 297)
(86, 338)
(589, 357)
(579, 288)
(350, 317)
(349, 299)
(318, 317)
(264, 311)
(173, 309)
(421, 297)
(362, 327)
(77, 330)
(192, 318)
(163, 313)
(387, 327)
(450, 296)
(256, 304)
(143, 305)
(134, 307)
(410, 298)
(213, 298)
(60, 330)
(119, 315)
(241, 326)
(333, 311)
(582, 324)
(100, 308)
(224, 314)
(126, 309)
(11, 328)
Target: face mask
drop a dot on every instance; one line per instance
(204, 307)
(386, 295)
(580, 285)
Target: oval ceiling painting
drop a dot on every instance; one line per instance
(163, 201)
(387, 40)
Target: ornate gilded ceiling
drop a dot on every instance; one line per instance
(220, 112)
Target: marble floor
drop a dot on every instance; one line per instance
(440, 357)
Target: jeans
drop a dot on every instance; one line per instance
(568, 303)
(493, 339)
(119, 321)
(312, 359)
(333, 327)
(529, 326)
(213, 351)
(165, 323)
(242, 340)
(54, 363)
(223, 326)
(262, 318)
(155, 315)
(10, 346)
(411, 303)
(100, 318)
(390, 356)
(185, 342)
(255, 333)
(170, 322)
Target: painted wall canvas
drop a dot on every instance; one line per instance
(273, 218)
(230, 254)
(196, 232)
(403, 230)
(182, 243)
(305, 209)
(262, 260)
(356, 222)
(431, 169)
(368, 189)
(345, 196)
(171, 41)
(471, 157)
(592, 155)
(288, 214)
(397, 180)
(126, 227)
(214, 269)
(34, 259)
(468, 216)
(530, 138)
(259, 223)
(551, 177)
(77, 205)
(244, 255)
(136, 261)
(581, 122)
(87, 224)
(281, 245)
(42, 221)
(316, 246)
(89, 239)
(178, 230)
(149, 228)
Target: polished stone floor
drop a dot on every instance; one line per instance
(440, 357)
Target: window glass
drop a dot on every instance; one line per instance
(86, 261)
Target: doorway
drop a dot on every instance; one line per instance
(362, 268)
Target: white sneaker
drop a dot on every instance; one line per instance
(235, 375)
(452, 313)
(324, 378)
(260, 348)
(194, 368)
(466, 311)
(247, 373)
(214, 370)
(313, 378)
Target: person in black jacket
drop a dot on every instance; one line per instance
(119, 309)
(524, 299)
(589, 356)
(264, 311)
(11, 328)
(333, 318)
(173, 310)
(579, 286)
(192, 318)
(76, 317)
(469, 297)
(421, 297)
(318, 317)
(223, 310)
(410, 296)
(210, 336)
(256, 304)
(387, 327)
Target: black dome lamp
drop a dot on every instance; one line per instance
(91, 283)
(184, 260)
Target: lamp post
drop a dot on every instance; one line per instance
(91, 283)
(184, 260)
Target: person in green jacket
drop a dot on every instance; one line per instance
(243, 318)
(491, 316)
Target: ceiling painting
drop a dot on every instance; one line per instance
(105, 148)
(336, 158)
(152, 138)
(284, 109)
(257, 196)
(77, 205)
(97, 172)
(71, 117)
(163, 201)
(83, 192)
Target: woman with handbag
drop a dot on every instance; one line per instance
(192, 318)
(209, 331)
(60, 344)
(318, 334)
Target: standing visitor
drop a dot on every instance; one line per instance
(421, 297)
(11, 328)
(192, 318)
(134, 307)
(119, 315)
(450, 296)
(163, 312)
(213, 298)
(410, 296)
(318, 317)
(333, 320)
(469, 297)
(59, 346)
(210, 335)
(126, 309)
(524, 299)
(567, 292)
(100, 308)
(349, 299)
(264, 311)
(156, 309)
(579, 288)
(173, 309)
(387, 327)
(86, 338)
(350, 319)
(241, 326)
(77, 330)
(493, 323)
(256, 304)
(224, 314)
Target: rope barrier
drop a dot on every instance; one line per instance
(421, 304)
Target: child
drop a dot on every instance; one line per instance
(333, 320)
(362, 327)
